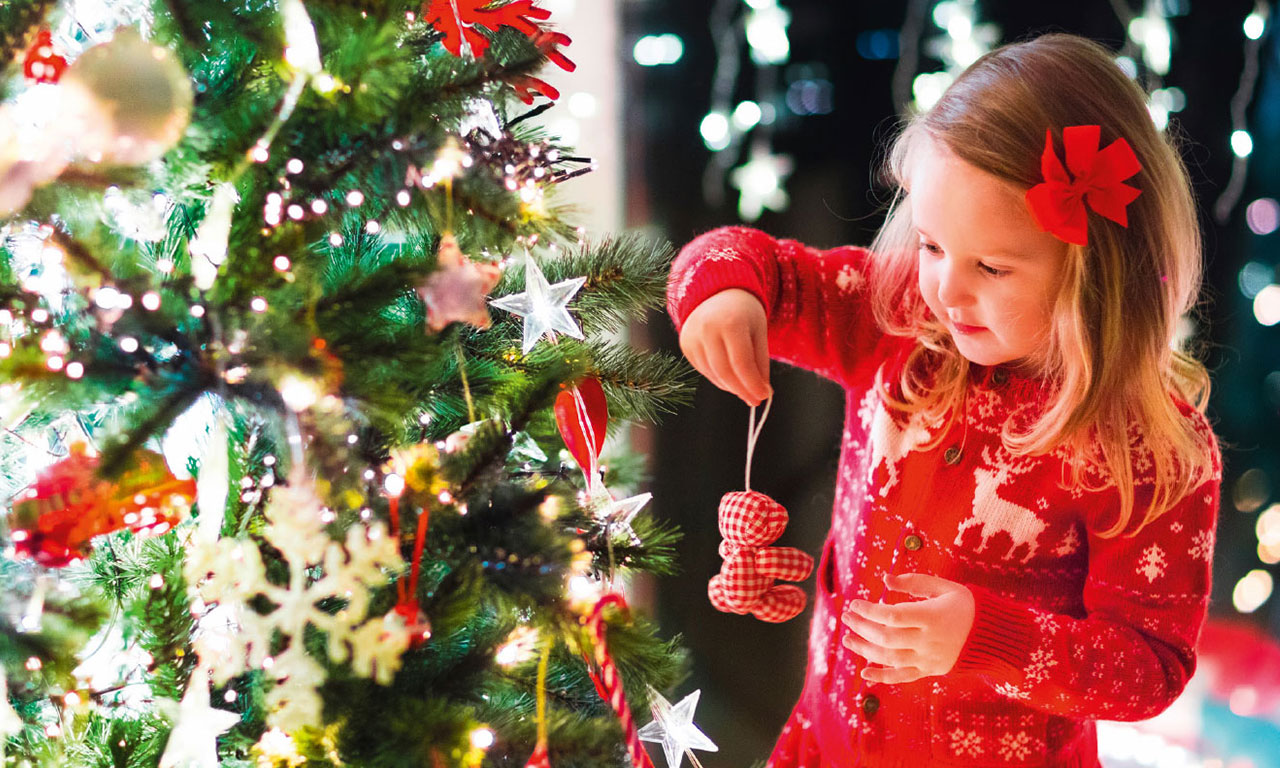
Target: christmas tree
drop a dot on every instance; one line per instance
(305, 379)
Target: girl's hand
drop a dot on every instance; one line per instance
(911, 640)
(726, 339)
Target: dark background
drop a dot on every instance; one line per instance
(751, 672)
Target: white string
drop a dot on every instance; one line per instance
(753, 434)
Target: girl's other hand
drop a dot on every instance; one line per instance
(911, 640)
(726, 339)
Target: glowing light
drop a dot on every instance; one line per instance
(1253, 277)
(151, 300)
(482, 738)
(319, 206)
(295, 211)
(294, 166)
(258, 304)
(298, 393)
(393, 485)
(1252, 591)
(658, 50)
(281, 262)
(519, 647)
(1263, 216)
(767, 34)
(1254, 25)
(54, 363)
(197, 310)
(715, 131)
(74, 370)
(1266, 305)
(335, 239)
(583, 105)
(928, 87)
(129, 344)
(746, 115)
(354, 198)
(402, 197)
(1241, 143)
(157, 581)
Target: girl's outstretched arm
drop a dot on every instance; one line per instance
(819, 318)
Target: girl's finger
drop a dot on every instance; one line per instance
(742, 358)
(888, 637)
(760, 341)
(695, 352)
(877, 654)
(718, 359)
(892, 675)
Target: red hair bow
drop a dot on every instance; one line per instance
(1058, 204)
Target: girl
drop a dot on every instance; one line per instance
(1023, 528)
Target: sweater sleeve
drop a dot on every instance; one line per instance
(815, 300)
(1146, 598)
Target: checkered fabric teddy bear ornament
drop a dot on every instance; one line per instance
(749, 522)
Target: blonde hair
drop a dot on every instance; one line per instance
(1110, 359)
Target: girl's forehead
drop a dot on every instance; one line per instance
(946, 191)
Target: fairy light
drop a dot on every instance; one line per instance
(355, 198)
(294, 165)
(74, 370)
(281, 263)
(151, 300)
(156, 581)
(482, 738)
(1252, 590)
(54, 362)
(393, 485)
(520, 646)
(295, 212)
(39, 315)
(963, 41)
(129, 344)
(1266, 305)
(318, 207)
(335, 239)
(197, 310)
(258, 304)
(298, 393)
(402, 197)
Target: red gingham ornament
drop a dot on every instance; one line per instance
(749, 523)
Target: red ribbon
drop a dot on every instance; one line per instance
(1058, 203)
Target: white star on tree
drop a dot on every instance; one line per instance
(542, 305)
(615, 516)
(193, 742)
(760, 182)
(673, 727)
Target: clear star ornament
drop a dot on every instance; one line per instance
(673, 728)
(542, 305)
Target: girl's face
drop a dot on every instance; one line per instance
(986, 270)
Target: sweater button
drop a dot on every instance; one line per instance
(913, 542)
(870, 705)
(952, 455)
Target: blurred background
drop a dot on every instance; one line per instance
(702, 113)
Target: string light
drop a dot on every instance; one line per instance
(1253, 28)
(963, 41)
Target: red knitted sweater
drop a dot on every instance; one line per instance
(1069, 628)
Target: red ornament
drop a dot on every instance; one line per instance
(582, 414)
(539, 758)
(68, 505)
(42, 64)
(458, 20)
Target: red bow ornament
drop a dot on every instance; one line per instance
(1058, 203)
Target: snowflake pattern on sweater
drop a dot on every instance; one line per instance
(1069, 627)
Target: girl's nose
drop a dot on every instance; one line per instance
(953, 290)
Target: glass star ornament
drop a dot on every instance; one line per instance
(193, 743)
(542, 305)
(673, 728)
(614, 516)
(457, 290)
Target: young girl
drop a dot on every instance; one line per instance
(1028, 488)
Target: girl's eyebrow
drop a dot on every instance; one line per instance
(1015, 255)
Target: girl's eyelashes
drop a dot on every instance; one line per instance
(934, 250)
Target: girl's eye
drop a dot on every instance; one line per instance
(930, 248)
(993, 271)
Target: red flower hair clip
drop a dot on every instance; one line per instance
(1058, 203)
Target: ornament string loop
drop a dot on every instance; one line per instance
(754, 429)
